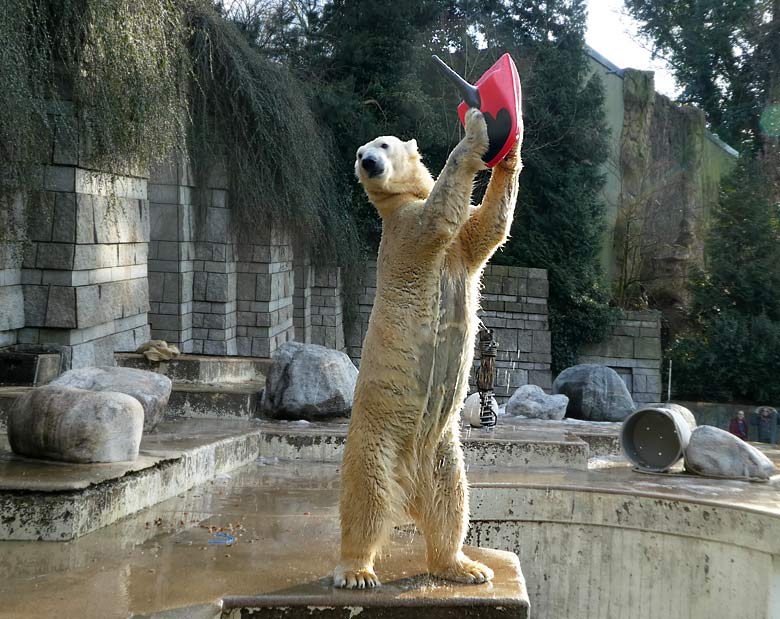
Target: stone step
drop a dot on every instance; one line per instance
(236, 401)
(202, 369)
(57, 501)
(26, 367)
(503, 446)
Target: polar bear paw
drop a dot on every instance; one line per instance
(476, 132)
(464, 570)
(358, 578)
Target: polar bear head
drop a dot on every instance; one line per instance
(388, 166)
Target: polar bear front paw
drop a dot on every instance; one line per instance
(476, 132)
(464, 570)
(358, 578)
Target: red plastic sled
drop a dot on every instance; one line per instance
(497, 95)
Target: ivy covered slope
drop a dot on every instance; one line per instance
(155, 77)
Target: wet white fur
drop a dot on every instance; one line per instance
(403, 456)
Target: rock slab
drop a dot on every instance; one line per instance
(307, 381)
(595, 392)
(151, 389)
(715, 452)
(76, 425)
(531, 401)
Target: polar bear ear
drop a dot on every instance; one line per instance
(411, 146)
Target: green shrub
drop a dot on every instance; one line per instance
(735, 357)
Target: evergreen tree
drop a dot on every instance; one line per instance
(370, 66)
(725, 54)
(742, 251)
(732, 350)
(559, 219)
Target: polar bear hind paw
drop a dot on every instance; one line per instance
(465, 570)
(359, 578)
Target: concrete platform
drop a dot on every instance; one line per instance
(617, 543)
(511, 446)
(57, 501)
(283, 523)
(219, 401)
(201, 369)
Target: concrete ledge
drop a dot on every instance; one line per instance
(503, 446)
(200, 369)
(618, 543)
(238, 401)
(727, 511)
(55, 501)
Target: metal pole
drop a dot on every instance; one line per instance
(669, 384)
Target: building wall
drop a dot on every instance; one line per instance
(662, 179)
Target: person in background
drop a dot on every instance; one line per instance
(766, 421)
(738, 426)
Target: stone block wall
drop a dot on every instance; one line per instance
(211, 293)
(362, 302)
(265, 291)
(11, 292)
(327, 314)
(514, 305)
(80, 282)
(171, 254)
(84, 272)
(304, 281)
(633, 350)
(215, 281)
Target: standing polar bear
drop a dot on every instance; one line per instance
(403, 456)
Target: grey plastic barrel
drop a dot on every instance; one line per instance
(655, 436)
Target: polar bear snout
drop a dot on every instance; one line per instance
(373, 166)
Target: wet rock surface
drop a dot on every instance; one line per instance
(307, 381)
(595, 392)
(75, 425)
(152, 390)
(717, 453)
(531, 401)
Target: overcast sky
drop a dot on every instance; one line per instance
(614, 35)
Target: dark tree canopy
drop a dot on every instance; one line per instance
(732, 350)
(725, 55)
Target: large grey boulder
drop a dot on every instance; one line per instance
(715, 452)
(151, 389)
(307, 381)
(531, 401)
(76, 425)
(595, 392)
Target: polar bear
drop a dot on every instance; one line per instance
(403, 456)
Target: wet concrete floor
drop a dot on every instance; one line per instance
(264, 529)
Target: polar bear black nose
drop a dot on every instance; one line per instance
(373, 166)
